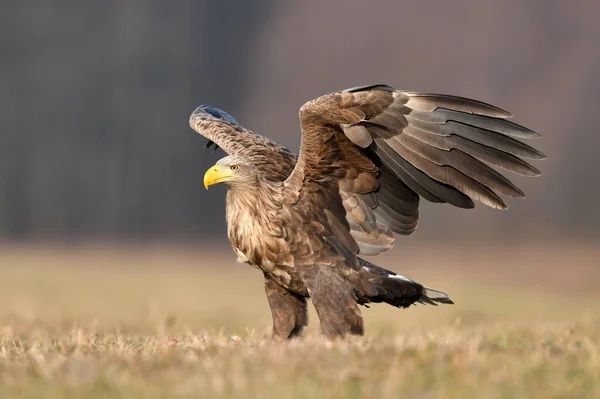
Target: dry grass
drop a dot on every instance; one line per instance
(100, 322)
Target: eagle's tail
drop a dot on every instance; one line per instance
(376, 284)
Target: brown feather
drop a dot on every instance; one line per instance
(464, 163)
(429, 102)
(367, 156)
(491, 155)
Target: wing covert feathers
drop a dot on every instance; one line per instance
(442, 148)
(372, 152)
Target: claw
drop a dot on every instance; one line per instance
(210, 144)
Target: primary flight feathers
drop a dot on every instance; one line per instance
(384, 149)
(367, 156)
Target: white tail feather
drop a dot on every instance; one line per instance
(430, 296)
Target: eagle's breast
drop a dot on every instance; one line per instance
(255, 233)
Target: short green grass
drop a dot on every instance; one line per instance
(166, 322)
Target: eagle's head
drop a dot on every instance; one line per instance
(233, 170)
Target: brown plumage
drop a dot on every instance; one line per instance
(367, 156)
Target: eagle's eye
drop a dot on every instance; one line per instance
(234, 167)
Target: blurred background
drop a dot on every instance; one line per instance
(105, 225)
(96, 150)
(96, 96)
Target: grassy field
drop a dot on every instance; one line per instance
(103, 322)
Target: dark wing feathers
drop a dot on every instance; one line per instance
(398, 222)
(383, 149)
(489, 138)
(434, 146)
(443, 173)
(418, 180)
(491, 155)
(397, 206)
(379, 87)
(504, 126)
(429, 102)
(276, 163)
(273, 160)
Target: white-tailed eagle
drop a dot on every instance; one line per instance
(367, 156)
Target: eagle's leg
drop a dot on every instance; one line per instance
(289, 310)
(335, 302)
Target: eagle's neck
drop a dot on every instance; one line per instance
(253, 213)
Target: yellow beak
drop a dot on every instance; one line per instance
(216, 175)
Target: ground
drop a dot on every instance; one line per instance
(167, 321)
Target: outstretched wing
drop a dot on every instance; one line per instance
(392, 147)
(276, 163)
